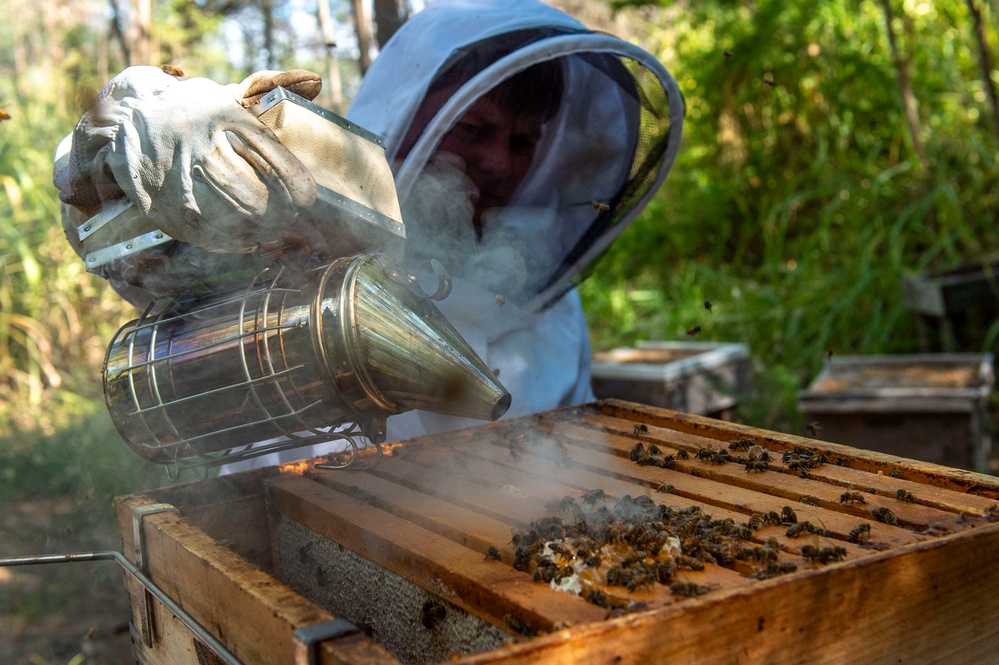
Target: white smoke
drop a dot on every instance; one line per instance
(517, 246)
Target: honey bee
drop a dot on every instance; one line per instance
(604, 600)
(906, 496)
(682, 454)
(590, 497)
(772, 517)
(654, 449)
(667, 461)
(705, 454)
(728, 54)
(895, 474)
(522, 559)
(808, 501)
(689, 562)
(636, 451)
(813, 428)
(665, 489)
(802, 528)
(432, 614)
(493, 554)
(641, 428)
(545, 573)
(566, 504)
(797, 529)
(600, 207)
(758, 466)
(642, 578)
(768, 79)
(500, 300)
(707, 305)
(741, 445)
(172, 70)
(4, 115)
(885, 515)
(644, 502)
(361, 495)
(859, 534)
(775, 568)
(755, 522)
(688, 589)
(788, 516)
(823, 555)
(851, 498)
(561, 550)
(693, 331)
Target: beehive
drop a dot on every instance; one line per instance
(931, 407)
(402, 551)
(705, 378)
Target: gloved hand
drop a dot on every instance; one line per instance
(189, 155)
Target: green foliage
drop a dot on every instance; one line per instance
(795, 206)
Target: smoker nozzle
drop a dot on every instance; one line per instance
(287, 358)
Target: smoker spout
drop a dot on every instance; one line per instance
(400, 349)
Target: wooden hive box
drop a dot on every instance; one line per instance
(705, 378)
(402, 551)
(931, 407)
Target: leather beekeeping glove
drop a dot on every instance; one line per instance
(188, 154)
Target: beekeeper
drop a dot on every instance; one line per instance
(523, 144)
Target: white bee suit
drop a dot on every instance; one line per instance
(601, 157)
(513, 299)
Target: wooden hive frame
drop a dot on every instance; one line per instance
(431, 510)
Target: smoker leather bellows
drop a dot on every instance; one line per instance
(292, 360)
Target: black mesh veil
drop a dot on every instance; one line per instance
(603, 155)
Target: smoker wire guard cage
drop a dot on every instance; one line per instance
(267, 385)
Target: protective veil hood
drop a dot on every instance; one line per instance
(600, 159)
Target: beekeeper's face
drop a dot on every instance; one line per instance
(497, 149)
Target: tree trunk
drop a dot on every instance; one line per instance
(119, 32)
(389, 17)
(986, 60)
(910, 106)
(267, 9)
(138, 32)
(362, 24)
(332, 85)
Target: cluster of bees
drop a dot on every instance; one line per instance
(802, 459)
(631, 544)
(798, 459)
(757, 458)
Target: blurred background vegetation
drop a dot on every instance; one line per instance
(829, 149)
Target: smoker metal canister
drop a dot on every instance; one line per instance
(287, 357)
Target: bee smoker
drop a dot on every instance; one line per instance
(248, 361)
(291, 360)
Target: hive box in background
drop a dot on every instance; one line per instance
(704, 378)
(930, 407)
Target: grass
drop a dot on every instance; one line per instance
(57, 493)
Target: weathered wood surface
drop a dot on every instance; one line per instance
(435, 505)
(250, 612)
